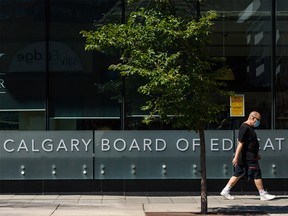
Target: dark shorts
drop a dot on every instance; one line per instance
(248, 172)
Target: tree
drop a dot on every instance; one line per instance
(164, 47)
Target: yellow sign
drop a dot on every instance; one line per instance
(237, 106)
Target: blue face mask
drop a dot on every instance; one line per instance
(257, 123)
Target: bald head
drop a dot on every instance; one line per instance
(254, 114)
(253, 118)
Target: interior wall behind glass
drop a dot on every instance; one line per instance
(76, 76)
(243, 36)
(22, 60)
(282, 65)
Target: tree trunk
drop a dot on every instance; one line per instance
(204, 201)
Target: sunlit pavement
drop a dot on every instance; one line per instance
(102, 205)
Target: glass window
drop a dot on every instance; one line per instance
(243, 36)
(76, 76)
(45, 73)
(282, 65)
(22, 64)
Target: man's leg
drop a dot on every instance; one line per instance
(264, 195)
(259, 184)
(233, 180)
(226, 190)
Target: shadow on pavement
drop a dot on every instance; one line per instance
(231, 210)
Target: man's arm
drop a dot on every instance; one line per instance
(237, 153)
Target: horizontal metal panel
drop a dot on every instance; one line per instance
(46, 155)
(46, 168)
(131, 154)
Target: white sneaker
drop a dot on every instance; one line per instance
(227, 195)
(267, 196)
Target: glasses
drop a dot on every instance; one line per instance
(256, 118)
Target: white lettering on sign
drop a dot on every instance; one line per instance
(147, 145)
(5, 145)
(22, 146)
(158, 145)
(130, 145)
(269, 144)
(214, 144)
(280, 143)
(86, 144)
(47, 145)
(184, 144)
(121, 145)
(227, 144)
(117, 147)
(105, 146)
(2, 84)
(2, 87)
(134, 145)
(195, 143)
(34, 149)
(75, 144)
(62, 145)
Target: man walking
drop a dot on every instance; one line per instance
(246, 158)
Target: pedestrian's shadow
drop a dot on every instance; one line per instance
(273, 208)
(258, 209)
(239, 210)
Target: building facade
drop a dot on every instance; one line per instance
(48, 82)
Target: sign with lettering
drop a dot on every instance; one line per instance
(131, 154)
(2, 86)
(33, 58)
(237, 105)
(46, 155)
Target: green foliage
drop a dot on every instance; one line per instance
(166, 50)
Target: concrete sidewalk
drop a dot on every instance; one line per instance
(91, 205)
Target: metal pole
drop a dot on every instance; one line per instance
(273, 65)
(122, 109)
(47, 81)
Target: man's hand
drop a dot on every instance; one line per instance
(259, 157)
